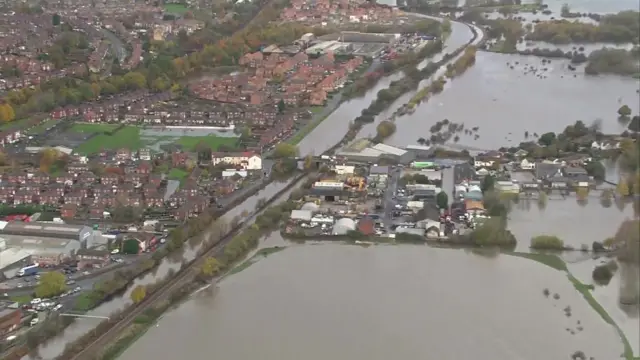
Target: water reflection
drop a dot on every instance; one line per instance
(576, 222)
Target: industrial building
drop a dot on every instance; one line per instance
(420, 151)
(80, 233)
(23, 243)
(363, 150)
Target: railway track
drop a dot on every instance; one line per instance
(186, 275)
(89, 352)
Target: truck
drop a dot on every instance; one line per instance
(29, 270)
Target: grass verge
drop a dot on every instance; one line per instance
(22, 299)
(551, 260)
(262, 253)
(297, 137)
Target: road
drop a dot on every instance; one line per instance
(118, 47)
(389, 202)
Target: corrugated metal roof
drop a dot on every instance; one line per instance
(42, 229)
(389, 149)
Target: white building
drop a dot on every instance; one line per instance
(527, 165)
(245, 160)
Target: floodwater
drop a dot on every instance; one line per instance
(579, 225)
(170, 264)
(332, 129)
(406, 302)
(505, 102)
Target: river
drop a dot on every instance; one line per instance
(382, 302)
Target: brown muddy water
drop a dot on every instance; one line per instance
(505, 102)
(403, 302)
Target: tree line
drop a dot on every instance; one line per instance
(622, 27)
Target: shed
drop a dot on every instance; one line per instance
(310, 206)
(301, 215)
(343, 226)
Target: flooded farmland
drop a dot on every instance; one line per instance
(406, 302)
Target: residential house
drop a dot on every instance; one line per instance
(558, 182)
(68, 211)
(527, 164)
(575, 172)
(245, 160)
(546, 170)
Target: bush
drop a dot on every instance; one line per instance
(493, 232)
(602, 274)
(547, 242)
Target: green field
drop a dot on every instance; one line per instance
(127, 138)
(175, 8)
(214, 142)
(177, 174)
(93, 128)
(39, 129)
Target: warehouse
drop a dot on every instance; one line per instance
(43, 250)
(79, 233)
(420, 151)
(362, 151)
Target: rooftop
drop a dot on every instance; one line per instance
(389, 149)
(39, 245)
(12, 255)
(41, 229)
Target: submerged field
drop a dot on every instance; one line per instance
(408, 302)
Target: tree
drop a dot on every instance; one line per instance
(48, 157)
(582, 196)
(284, 150)
(623, 188)
(606, 198)
(138, 294)
(51, 284)
(211, 267)
(6, 113)
(596, 169)
(55, 19)
(488, 183)
(624, 110)
(385, 129)
(281, 106)
(442, 199)
(634, 125)
(130, 246)
(547, 139)
(308, 162)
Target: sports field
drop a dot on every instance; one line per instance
(129, 137)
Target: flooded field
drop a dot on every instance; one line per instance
(505, 102)
(406, 302)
